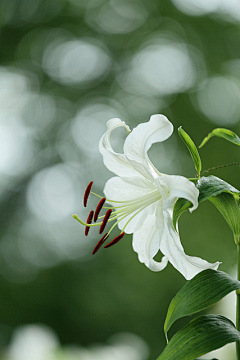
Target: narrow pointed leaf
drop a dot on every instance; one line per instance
(192, 149)
(205, 289)
(229, 208)
(223, 133)
(202, 335)
(208, 186)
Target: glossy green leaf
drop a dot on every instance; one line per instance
(223, 133)
(208, 186)
(202, 335)
(192, 149)
(228, 206)
(205, 289)
(212, 186)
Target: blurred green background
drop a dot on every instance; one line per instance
(67, 67)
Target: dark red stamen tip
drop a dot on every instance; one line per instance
(89, 221)
(115, 240)
(105, 220)
(99, 208)
(99, 244)
(86, 194)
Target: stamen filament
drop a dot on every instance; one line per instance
(121, 218)
(133, 217)
(110, 200)
(115, 224)
(101, 197)
(121, 214)
(149, 197)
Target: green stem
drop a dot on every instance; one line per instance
(238, 303)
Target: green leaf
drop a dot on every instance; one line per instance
(192, 149)
(213, 186)
(229, 208)
(202, 335)
(208, 186)
(223, 133)
(205, 289)
(180, 207)
(226, 199)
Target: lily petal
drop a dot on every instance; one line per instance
(135, 223)
(127, 189)
(171, 247)
(115, 162)
(172, 187)
(139, 141)
(129, 192)
(146, 244)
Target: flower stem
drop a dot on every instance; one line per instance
(238, 302)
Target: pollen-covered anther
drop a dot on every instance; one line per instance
(105, 220)
(89, 221)
(99, 208)
(99, 244)
(86, 194)
(115, 240)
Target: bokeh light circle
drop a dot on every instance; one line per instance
(51, 193)
(159, 69)
(76, 61)
(219, 100)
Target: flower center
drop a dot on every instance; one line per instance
(122, 210)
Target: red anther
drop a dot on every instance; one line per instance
(99, 208)
(105, 220)
(115, 240)
(86, 194)
(99, 244)
(89, 221)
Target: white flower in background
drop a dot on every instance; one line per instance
(142, 198)
(32, 342)
(38, 342)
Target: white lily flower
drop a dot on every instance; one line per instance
(142, 198)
